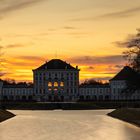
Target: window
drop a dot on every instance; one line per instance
(17, 97)
(61, 84)
(49, 84)
(67, 83)
(67, 90)
(55, 84)
(62, 75)
(101, 97)
(49, 89)
(55, 89)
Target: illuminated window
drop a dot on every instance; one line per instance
(61, 84)
(55, 89)
(49, 89)
(49, 84)
(55, 84)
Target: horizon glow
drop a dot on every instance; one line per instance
(81, 32)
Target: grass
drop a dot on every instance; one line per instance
(4, 115)
(131, 115)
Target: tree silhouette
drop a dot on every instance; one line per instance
(133, 57)
(91, 82)
(133, 52)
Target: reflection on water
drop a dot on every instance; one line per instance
(66, 125)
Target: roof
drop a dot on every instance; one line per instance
(56, 64)
(127, 73)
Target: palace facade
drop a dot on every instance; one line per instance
(57, 80)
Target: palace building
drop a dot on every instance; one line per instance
(58, 81)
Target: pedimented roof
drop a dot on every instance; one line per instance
(56, 64)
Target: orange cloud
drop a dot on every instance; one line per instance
(104, 67)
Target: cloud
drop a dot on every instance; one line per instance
(103, 79)
(132, 41)
(121, 14)
(69, 28)
(3, 73)
(91, 67)
(11, 46)
(119, 66)
(91, 60)
(30, 58)
(118, 14)
(8, 6)
(14, 46)
(24, 61)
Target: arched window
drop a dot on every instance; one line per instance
(61, 84)
(49, 84)
(55, 84)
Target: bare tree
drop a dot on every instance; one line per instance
(133, 52)
(91, 82)
(133, 57)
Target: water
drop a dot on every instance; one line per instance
(66, 125)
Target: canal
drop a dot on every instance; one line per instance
(66, 125)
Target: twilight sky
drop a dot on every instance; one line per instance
(82, 32)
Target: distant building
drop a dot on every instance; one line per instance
(17, 93)
(57, 80)
(120, 83)
(94, 92)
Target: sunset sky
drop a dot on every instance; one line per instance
(81, 32)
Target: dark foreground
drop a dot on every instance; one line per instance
(131, 115)
(4, 115)
(70, 106)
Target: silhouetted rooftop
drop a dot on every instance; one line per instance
(127, 73)
(56, 64)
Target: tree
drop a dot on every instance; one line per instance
(133, 57)
(91, 82)
(133, 52)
